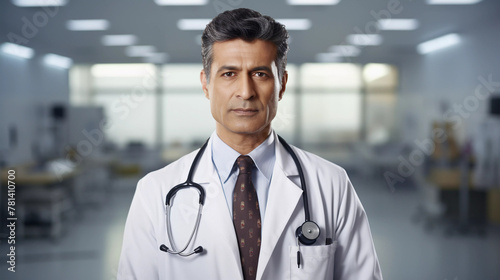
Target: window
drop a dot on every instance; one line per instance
(331, 103)
(380, 85)
(126, 92)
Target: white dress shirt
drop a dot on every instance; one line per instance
(224, 158)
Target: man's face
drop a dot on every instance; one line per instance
(244, 87)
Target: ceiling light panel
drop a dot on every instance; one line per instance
(138, 51)
(57, 61)
(119, 40)
(39, 3)
(312, 2)
(87, 24)
(345, 50)
(193, 24)
(452, 2)
(201, 23)
(364, 39)
(398, 24)
(295, 23)
(328, 57)
(438, 43)
(17, 50)
(181, 2)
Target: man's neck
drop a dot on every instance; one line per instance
(243, 143)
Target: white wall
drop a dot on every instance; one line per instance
(27, 88)
(450, 75)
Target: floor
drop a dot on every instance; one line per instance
(407, 251)
(91, 246)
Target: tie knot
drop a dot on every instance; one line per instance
(245, 164)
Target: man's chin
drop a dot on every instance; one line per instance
(248, 129)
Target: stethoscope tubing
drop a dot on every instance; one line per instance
(190, 184)
(305, 198)
(170, 234)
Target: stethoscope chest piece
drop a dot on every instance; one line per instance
(308, 233)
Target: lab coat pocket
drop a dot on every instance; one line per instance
(316, 262)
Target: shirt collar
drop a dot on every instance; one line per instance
(263, 157)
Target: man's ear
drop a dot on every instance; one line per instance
(204, 83)
(284, 79)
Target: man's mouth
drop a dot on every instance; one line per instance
(245, 111)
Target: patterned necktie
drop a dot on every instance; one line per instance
(246, 218)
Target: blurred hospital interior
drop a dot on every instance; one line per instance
(405, 95)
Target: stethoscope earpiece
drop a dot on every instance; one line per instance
(308, 233)
(163, 248)
(196, 250)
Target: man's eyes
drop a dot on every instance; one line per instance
(256, 74)
(228, 74)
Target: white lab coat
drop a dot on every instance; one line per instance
(334, 204)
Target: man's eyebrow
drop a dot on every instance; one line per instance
(227, 67)
(233, 68)
(262, 68)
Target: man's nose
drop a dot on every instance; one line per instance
(246, 87)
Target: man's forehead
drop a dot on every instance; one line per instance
(237, 51)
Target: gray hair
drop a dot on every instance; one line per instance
(248, 25)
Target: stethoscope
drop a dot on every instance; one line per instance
(306, 234)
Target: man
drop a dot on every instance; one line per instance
(254, 198)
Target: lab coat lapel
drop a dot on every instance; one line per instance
(215, 211)
(282, 201)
